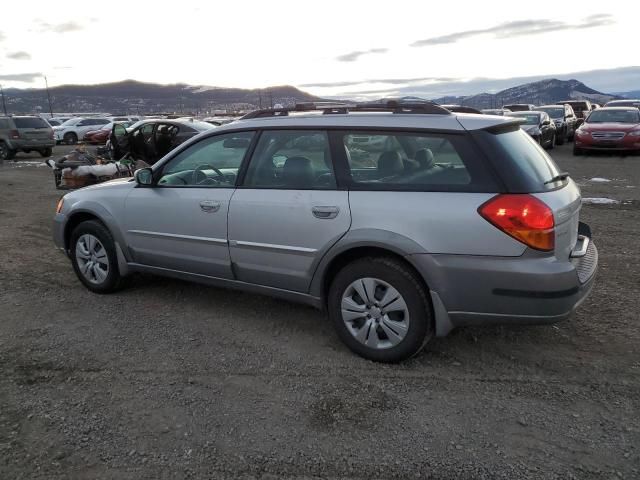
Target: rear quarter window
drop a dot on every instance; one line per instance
(394, 160)
(30, 123)
(523, 165)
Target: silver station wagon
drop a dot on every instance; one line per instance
(402, 220)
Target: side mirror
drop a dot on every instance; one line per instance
(144, 177)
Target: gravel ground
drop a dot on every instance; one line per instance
(173, 380)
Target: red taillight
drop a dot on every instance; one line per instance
(524, 217)
(14, 134)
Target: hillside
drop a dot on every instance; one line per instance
(132, 97)
(538, 93)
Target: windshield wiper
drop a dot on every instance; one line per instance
(558, 178)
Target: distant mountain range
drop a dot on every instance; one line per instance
(538, 93)
(133, 97)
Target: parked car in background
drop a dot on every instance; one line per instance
(24, 134)
(74, 129)
(218, 121)
(150, 140)
(462, 220)
(581, 108)
(519, 107)
(539, 126)
(564, 119)
(461, 109)
(623, 103)
(496, 111)
(125, 118)
(100, 136)
(609, 128)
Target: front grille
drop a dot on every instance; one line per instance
(607, 135)
(586, 266)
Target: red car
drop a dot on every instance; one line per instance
(100, 137)
(609, 128)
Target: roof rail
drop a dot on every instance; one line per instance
(327, 108)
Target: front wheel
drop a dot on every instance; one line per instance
(94, 258)
(380, 309)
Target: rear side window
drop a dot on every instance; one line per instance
(30, 122)
(414, 161)
(523, 164)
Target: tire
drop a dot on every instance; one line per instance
(104, 277)
(577, 151)
(5, 152)
(70, 138)
(552, 143)
(562, 138)
(46, 152)
(409, 322)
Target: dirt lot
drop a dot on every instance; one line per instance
(173, 380)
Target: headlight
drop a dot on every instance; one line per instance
(582, 133)
(634, 133)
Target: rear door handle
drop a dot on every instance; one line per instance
(209, 206)
(325, 212)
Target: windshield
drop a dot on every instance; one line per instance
(614, 116)
(30, 122)
(529, 118)
(553, 112)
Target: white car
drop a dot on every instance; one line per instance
(75, 128)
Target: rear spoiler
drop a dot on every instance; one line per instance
(509, 126)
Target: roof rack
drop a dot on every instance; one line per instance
(328, 108)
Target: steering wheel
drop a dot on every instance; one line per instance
(199, 177)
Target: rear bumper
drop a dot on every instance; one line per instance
(24, 144)
(475, 290)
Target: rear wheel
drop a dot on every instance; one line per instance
(94, 258)
(5, 152)
(70, 138)
(380, 309)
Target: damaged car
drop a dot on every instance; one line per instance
(150, 140)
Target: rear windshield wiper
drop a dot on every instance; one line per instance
(558, 178)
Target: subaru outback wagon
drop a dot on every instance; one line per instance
(402, 221)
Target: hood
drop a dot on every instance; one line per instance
(126, 182)
(611, 126)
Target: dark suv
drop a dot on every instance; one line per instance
(581, 108)
(24, 134)
(565, 120)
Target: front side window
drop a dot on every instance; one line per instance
(380, 161)
(291, 159)
(212, 162)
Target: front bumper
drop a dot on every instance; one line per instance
(59, 225)
(624, 144)
(477, 290)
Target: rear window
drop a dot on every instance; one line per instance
(523, 164)
(30, 122)
(414, 161)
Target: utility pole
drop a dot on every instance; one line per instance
(48, 96)
(4, 105)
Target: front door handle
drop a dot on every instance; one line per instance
(209, 206)
(325, 212)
